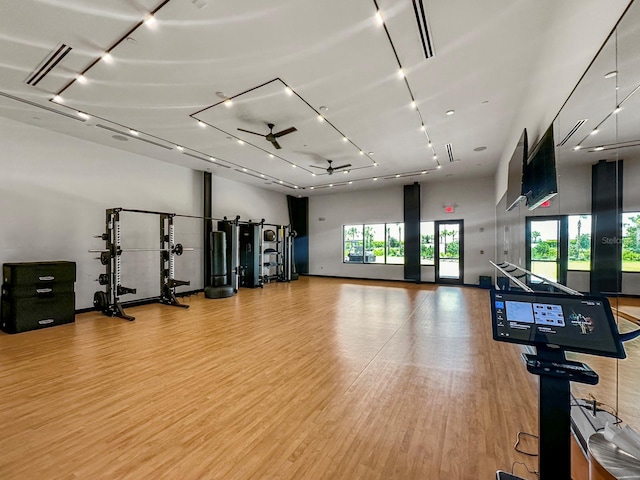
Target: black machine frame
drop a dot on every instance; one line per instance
(556, 373)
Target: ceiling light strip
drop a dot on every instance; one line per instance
(406, 80)
(118, 42)
(49, 64)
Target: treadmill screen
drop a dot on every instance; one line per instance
(576, 323)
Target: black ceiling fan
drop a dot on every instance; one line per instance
(331, 168)
(272, 137)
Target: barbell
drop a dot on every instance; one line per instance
(178, 249)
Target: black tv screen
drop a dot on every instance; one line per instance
(539, 178)
(515, 193)
(583, 324)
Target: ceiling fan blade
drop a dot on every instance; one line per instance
(316, 166)
(276, 144)
(249, 131)
(285, 132)
(342, 166)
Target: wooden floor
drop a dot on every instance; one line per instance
(316, 379)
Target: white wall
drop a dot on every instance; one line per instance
(54, 190)
(231, 198)
(475, 206)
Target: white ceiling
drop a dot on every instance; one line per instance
(335, 57)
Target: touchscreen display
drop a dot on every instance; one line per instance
(576, 323)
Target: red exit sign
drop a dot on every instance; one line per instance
(449, 209)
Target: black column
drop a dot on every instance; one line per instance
(299, 219)
(206, 212)
(412, 232)
(606, 227)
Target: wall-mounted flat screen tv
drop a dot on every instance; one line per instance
(539, 181)
(517, 164)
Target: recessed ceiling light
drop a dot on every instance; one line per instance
(244, 169)
(598, 149)
(423, 128)
(361, 152)
(423, 172)
(280, 181)
(350, 183)
(401, 73)
(594, 131)
(293, 165)
(450, 112)
(345, 139)
(134, 132)
(375, 164)
(375, 178)
(371, 153)
(212, 159)
(83, 115)
(439, 166)
(346, 171)
(228, 103)
(202, 124)
(295, 186)
(413, 104)
(271, 155)
(57, 99)
(379, 18)
(430, 145)
(241, 142)
(611, 74)
(81, 79)
(313, 174)
(577, 147)
(331, 184)
(180, 148)
(479, 149)
(262, 175)
(107, 57)
(288, 90)
(435, 157)
(313, 188)
(397, 175)
(323, 108)
(320, 118)
(617, 110)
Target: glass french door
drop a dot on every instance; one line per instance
(449, 252)
(546, 248)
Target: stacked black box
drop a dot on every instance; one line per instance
(37, 295)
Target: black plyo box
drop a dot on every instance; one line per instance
(33, 273)
(23, 314)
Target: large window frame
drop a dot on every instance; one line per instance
(373, 243)
(630, 251)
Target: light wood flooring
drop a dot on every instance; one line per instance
(316, 379)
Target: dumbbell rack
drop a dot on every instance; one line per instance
(108, 301)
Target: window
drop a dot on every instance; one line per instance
(427, 246)
(374, 243)
(395, 243)
(579, 242)
(631, 242)
(353, 244)
(379, 243)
